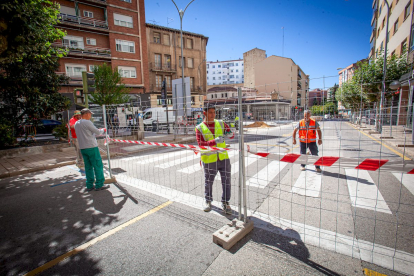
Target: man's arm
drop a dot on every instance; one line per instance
(294, 136)
(228, 132)
(320, 136)
(93, 129)
(201, 142)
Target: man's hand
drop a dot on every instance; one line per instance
(320, 142)
(219, 140)
(294, 141)
(228, 134)
(104, 129)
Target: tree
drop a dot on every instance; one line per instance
(28, 83)
(109, 86)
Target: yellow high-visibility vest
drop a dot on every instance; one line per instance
(208, 156)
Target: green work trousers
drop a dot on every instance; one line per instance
(93, 167)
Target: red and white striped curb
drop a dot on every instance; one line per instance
(367, 164)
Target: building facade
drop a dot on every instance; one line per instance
(317, 97)
(225, 72)
(250, 59)
(104, 31)
(399, 26)
(164, 63)
(277, 77)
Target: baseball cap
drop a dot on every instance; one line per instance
(86, 110)
(77, 112)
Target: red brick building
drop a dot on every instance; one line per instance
(317, 97)
(104, 31)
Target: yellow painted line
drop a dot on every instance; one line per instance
(287, 135)
(379, 142)
(95, 240)
(370, 272)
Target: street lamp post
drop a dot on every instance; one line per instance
(384, 68)
(181, 13)
(395, 85)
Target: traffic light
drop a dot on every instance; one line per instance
(79, 97)
(88, 80)
(296, 107)
(164, 94)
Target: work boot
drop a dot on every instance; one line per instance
(226, 208)
(207, 206)
(104, 187)
(318, 170)
(89, 189)
(302, 168)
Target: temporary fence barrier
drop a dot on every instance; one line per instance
(361, 204)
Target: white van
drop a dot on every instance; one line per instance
(157, 114)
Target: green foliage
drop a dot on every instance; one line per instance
(366, 84)
(109, 87)
(61, 131)
(6, 135)
(28, 83)
(27, 29)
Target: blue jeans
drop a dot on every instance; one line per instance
(210, 172)
(313, 149)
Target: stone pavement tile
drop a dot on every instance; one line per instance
(8, 165)
(15, 163)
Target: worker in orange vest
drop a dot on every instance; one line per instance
(307, 136)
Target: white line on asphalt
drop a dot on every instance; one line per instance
(366, 251)
(363, 191)
(197, 167)
(265, 175)
(176, 162)
(309, 183)
(407, 180)
(163, 156)
(247, 161)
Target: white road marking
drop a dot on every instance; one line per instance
(309, 183)
(265, 175)
(363, 191)
(197, 167)
(176, 162)
(350, 246)
(247, 161)
(407, 180)
(163, 156)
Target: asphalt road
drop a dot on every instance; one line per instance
(304, 223)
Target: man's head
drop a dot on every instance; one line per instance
(209, 113)
(307, 115)
(86, 114)
(77, 114)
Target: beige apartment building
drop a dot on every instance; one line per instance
(276, 77)
(164, 62)
(399, 26)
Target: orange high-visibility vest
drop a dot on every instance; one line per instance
(307, 135)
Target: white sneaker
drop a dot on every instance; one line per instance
(207, 206)
(303, 168)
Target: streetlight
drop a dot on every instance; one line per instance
(385, 67)
(181, 13)
(395, 85)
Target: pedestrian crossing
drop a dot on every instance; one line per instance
(363, 192)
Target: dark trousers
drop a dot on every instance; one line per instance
(210, 172)
(313, 149)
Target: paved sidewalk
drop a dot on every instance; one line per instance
(27, 163)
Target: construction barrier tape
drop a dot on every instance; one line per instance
(367, 164)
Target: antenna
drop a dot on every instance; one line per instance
(169, 20)
(153, 21)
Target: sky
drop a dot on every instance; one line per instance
(319, 35)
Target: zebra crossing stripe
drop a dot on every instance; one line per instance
(363, 191)
(309, 183)
(266, 175)
(162, 156)
(406, 180)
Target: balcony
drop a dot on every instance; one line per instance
(157, 88)
(102, 2)
(85, 51)
(166, 67)
(299, 85)
(82, 21)
(373, 34)
(374, 16)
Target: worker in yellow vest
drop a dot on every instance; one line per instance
(307, 136)
(211, 133)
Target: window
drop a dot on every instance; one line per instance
(125, 46)
(237, 70)
(123, 20)
(208, 66)
(181, 61)
(380, 9)
(388, 37)
(231, 71)
(90, 41)
(168, 81)
(88, 14)
(75, 70)
(412, 38)
(127, 72)
(157, 38)
(158, 81)
(189, 43)
(214, 66)
(237, 64)
(67, 10)
(92, 67)
(396, 26)
(128, 1)
(167, 61)
(383, 23)
(403, 46)
(393, 53)
(232, 76)
(73, 42)
(157, 60)
(192, 84)
(190, 63)
(214, 78)
(407, 10)
(218, 66)
(382, 45)
(391, 9)
(166, 39)
(219, 78)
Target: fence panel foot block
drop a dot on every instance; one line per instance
(231, 233)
